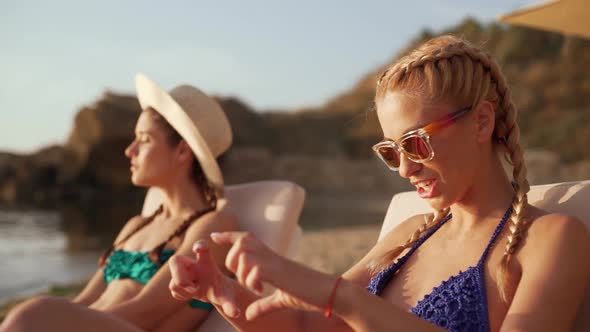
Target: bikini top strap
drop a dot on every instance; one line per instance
(422, 240)
(497, 232)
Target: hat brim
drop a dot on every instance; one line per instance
(150, 95)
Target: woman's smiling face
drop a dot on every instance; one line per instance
(444, 179)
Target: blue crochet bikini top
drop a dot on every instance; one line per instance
(457, 304)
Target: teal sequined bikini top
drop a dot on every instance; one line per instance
(138, 266)
(135, 265)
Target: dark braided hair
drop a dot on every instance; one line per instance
(103, 258)
(156, 253)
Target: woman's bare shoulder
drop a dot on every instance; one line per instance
(225, 220)
(554, 270)
(400, 233)
(214, 221)
(201, 229)
(544, 224)
(398, 236)
(555, 233)
(361, 271)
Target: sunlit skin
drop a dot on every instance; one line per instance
(124, 304)
(465, 164)
(153, 162)
(547, 277)
(469, 178)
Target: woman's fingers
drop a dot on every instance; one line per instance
(264, 306)
(183, 271)
(248, 258)
(178, 292)
(253, 281)
(222, 294)
(244, 267)
(239, 243)
(192, 278)
(219, 291)
(231, 309)
(202, 251)
(226, 237)
(201, 247)
(185, 282)
(246, 252)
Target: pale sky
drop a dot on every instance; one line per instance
(56, 56)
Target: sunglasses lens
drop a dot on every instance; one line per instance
(416, 148)
(389, 156)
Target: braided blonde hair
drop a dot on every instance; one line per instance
(430, 220)
(448, 68)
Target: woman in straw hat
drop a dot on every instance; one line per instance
(177, 139)
(486, 260)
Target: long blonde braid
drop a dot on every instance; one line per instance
(511, 133)
(448, 68)
(430, 221)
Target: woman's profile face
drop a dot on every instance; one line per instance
(150, 153)
(448, 176)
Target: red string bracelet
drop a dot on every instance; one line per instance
(328, 311)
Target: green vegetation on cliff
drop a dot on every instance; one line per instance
(548, 74)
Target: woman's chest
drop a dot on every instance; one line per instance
(151, 237)
(451, 285)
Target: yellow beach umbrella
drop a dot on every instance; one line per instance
(570, 17)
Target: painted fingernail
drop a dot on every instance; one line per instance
(198, 246)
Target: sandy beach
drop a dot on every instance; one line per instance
(336, 249)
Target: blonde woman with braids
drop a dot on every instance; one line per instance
(177, 138)
(486, 260)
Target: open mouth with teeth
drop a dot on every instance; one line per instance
(426, 189)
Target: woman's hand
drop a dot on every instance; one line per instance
(201, 279)
(254, 263)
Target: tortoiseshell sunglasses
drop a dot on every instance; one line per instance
(415, 144)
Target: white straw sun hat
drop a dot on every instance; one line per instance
(196, 117)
